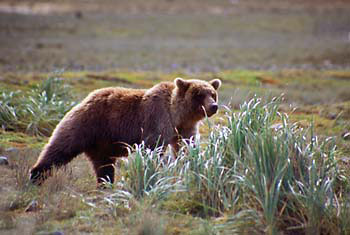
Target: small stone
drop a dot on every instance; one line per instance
(332, 116)
(78, 14)
(346, 136)
(33, 206)
(346, 159)
(3, 160)
(57, 233)
(12, 150)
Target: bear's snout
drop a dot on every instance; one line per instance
(213, 108)
(35, 176)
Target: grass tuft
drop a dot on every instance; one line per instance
(38, 110)
(268, 174)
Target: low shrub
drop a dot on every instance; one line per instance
(38, 110)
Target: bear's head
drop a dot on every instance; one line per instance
(197, 96)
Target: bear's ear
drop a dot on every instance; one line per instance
(216, 83)
(181, 84)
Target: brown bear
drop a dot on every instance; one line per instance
(110, 119)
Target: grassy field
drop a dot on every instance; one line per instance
(264, 165)
(274, 160)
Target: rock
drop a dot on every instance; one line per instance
(332, 116)
(33, 206)
(12, 150)
(346, 136)
(3, 160)
(78, 14)
(57, 233)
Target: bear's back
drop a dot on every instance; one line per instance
(127, 115)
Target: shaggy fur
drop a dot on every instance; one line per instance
(110, 119)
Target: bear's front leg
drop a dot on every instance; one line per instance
(175, 147)
(187, 137)
(104, 171)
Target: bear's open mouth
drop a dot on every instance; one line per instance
(207, 113)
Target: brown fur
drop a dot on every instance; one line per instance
(111, 118)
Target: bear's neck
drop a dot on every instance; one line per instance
(182, 117)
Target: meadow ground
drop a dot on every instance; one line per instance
(258, 49)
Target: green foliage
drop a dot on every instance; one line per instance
(38, 111)
(145, 173)
(287, 173)
(207, 178)
(265, 173)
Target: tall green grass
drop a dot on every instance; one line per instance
(38, 110)
(145, 174)
(258, 170)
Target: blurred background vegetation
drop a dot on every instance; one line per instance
(172, 35)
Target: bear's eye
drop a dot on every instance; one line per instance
(199, 96)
